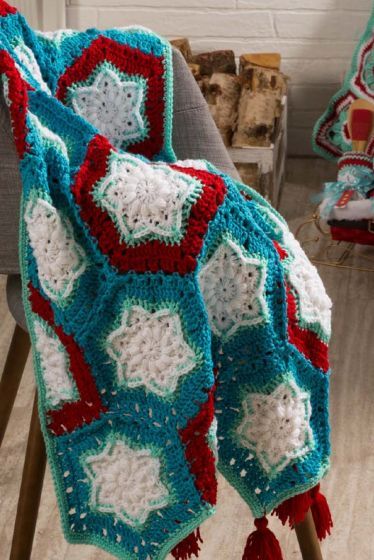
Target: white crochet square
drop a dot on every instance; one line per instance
(59, 258)
(146, 201)
(125, 482)
(276, 426)
(55, 366)
(314, 305)
(113, 102)
(149, 350)
(233, 287)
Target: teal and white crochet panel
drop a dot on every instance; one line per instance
(158, 295)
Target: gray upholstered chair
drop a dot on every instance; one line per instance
(194, 136)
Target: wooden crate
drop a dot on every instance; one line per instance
(270, 161)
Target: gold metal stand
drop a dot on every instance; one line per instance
(315, 239)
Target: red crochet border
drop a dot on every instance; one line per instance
(338, 106)
(5, 9)
(306, 341)
(198, 453)
(134, 62)
(72, 415)
(363, 160)
(18, 98)
(153, 255)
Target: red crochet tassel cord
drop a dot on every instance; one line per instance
(262, 544)
(188, 547)
(321, 513)
(293, 511)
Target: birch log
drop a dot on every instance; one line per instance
(259, 105)
(222, 92)
(217, 61)
(183, 45)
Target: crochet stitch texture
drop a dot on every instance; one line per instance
(159, 295)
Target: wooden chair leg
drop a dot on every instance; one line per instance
(12, 374)
(30, 492)
(308, 540)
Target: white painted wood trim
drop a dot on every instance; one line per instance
(269, 159)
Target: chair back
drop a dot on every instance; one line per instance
(10, 192)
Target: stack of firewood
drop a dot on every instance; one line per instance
(246, 104)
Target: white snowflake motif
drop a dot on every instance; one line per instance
(146, 201)
(149, 349)
(126, 482)
(112, 103)
(314, 305)
(59, 386)
(60, 260)
(276, 426)
(232, 285)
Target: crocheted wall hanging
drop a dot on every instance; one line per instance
(176, 324)
(331, 137)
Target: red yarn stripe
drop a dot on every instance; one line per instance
(152, 255)
(366, 50)
(72, 415)
(18, 98)
(198, 453)
(134, 62)
(281, 252)
(337, 107)
(5, 9)
(306, 341)
(349, 160)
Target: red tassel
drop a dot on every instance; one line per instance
(321, 514)
(262, 544)
(294, 509)
(189, 546)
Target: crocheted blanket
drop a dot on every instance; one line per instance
(331, 135)
(176, 324)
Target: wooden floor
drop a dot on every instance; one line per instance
(350, 485)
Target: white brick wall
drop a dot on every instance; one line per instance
(315, 37)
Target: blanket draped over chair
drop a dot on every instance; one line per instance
(177, 327)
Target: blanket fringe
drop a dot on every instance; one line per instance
(321, 513)
(188, 547)
(294, 510)
(262, 544)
